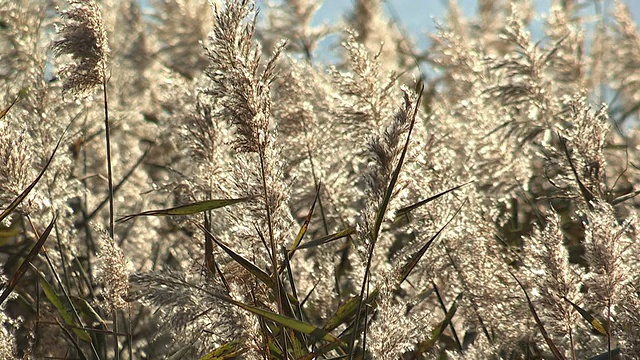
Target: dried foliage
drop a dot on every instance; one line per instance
(295, 209)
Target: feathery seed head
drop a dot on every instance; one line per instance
(85, 39)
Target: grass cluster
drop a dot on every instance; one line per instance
(187, 180)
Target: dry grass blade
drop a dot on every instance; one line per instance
(407, 209)
(595, 323)
(625, 197)
(304, 227)
(22, 269)
(252, 268)
(408, 267)
(545, 335)
(329, 238)
(4, 112)
(14, 204)
(188, 209)
(588, 196)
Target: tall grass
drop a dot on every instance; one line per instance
(265, 205)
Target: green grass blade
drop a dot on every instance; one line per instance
(304, 227)
(86, 311)
(291, 306)
(437, 332)
(288, 322)
(22, 269)
(230, 350)
(347, 310)
(188, 209)
(57, 302)
(251, 267)
(595, 323)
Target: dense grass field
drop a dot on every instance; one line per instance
(189, 180)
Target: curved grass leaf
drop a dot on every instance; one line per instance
(56, 301)
(346, 311)
(22, 269)
(304, 227)
(407, 209)
(595, 323)
(251, 267)
(288, 322)
(437, 332)
(189, 209)
(545, 335)
(415, 258)
(329, 238)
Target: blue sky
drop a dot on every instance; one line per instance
(418, 16)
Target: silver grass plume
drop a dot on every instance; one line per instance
(112, 272)
(243, 90)
(85, 39)
(556, 279)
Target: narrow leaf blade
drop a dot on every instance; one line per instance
(415, 258)
(407, 209)
(348, 309)
(437, 332)
(304, 227)
(22, 269)
(252, 268)
(189, 209)
(595, 323)
(288, 322)
(57, 302)
(329, 238)
(4, 112)
(544, 333)
(230, 350)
